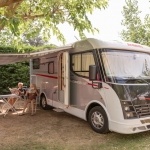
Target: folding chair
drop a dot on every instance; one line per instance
(34, 105)
(20, 103)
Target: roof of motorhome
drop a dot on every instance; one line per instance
(87, 44)
(96, 44)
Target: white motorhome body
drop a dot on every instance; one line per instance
(105, 83)
(115, 98)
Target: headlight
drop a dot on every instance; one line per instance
(128, 109)
(129, 115)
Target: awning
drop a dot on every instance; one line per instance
(11, 58)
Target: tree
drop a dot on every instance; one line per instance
(36, 17)
(12, 74)
(136, 30)
(37, 41)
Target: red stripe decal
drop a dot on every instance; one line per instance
(54, 77)
(43, 75)
(92, 84)
(106, 87)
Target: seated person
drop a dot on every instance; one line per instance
(31, 98)
(21, 90)
(18, 91)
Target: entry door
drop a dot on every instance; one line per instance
(63, 78)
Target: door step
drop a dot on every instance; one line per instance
(58, 110)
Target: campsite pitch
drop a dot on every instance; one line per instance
(50, 130)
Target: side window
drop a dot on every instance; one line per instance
(51, 68)
(36, 63)
(80, 63)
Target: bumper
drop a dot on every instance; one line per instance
(129, 127)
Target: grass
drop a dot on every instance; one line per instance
(50, 130)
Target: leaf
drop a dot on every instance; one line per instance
(135, 29)
(32, 17)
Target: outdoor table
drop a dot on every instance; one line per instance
(7, 105)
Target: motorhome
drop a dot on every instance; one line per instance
(104, 83)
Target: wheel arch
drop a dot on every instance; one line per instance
(93, 104)
(43, 94)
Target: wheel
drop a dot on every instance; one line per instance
(43, 103)
(98, 120)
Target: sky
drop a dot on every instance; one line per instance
(108, 21)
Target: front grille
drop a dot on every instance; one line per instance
(142, 110)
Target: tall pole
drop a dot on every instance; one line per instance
(31, 70)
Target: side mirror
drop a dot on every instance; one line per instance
(92, 72)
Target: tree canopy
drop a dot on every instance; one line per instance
(136, 29)
(31, 18)
(12, 74)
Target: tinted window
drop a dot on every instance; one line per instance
(36, 63)
(81, 62)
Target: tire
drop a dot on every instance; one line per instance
(43, 103)
(98, 120)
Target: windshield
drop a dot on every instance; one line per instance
(126, 64)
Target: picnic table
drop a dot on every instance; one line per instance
(6, 105)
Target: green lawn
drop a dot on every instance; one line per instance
(50, 130)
